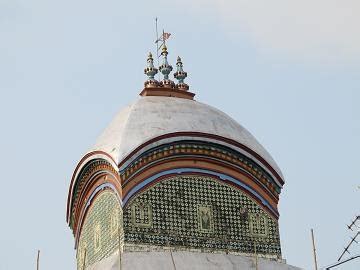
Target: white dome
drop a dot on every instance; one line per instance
(150, 117)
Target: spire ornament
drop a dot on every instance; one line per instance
(151, 71)
(180, 75)
(165, 87)
(165, 69)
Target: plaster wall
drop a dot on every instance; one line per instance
(186, 261)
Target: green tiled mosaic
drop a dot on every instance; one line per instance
(101, 229)
(196, 212)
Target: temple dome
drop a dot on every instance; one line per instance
(152, 116)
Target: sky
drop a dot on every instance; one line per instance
(288, 71)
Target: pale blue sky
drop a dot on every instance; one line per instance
(290, 73)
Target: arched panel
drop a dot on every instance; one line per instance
(102, 229)
(192, 212)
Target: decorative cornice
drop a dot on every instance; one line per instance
(201, 150)
(199, 136)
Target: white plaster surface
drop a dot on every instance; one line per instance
(186, 261)
(150, 117)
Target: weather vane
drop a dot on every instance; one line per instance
(160, 41)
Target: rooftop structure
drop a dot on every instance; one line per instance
(175, 183)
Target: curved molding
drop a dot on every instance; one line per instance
(200, 151)
(97, 170)
(82, 174)
(80, 166)
(198, 136)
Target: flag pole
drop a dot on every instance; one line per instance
(314, 249)
(38, 260)
(157, 43)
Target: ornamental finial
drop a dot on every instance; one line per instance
(164, 51)
(180, 75)
(165, 69)
(166, 87)
(151, 71)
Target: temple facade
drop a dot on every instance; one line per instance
(173, 183)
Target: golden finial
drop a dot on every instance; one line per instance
(165, 69)
(164, 50)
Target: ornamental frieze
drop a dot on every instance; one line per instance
(205, 150)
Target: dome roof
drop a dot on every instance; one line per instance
(153, 116)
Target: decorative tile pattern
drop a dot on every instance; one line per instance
(81, 255)
(205, 218)
(197, 212)
(114, 222)
(100, 232)
(258, 225)
(97, 237)
(141, 215)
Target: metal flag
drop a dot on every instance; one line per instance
(165, 36)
